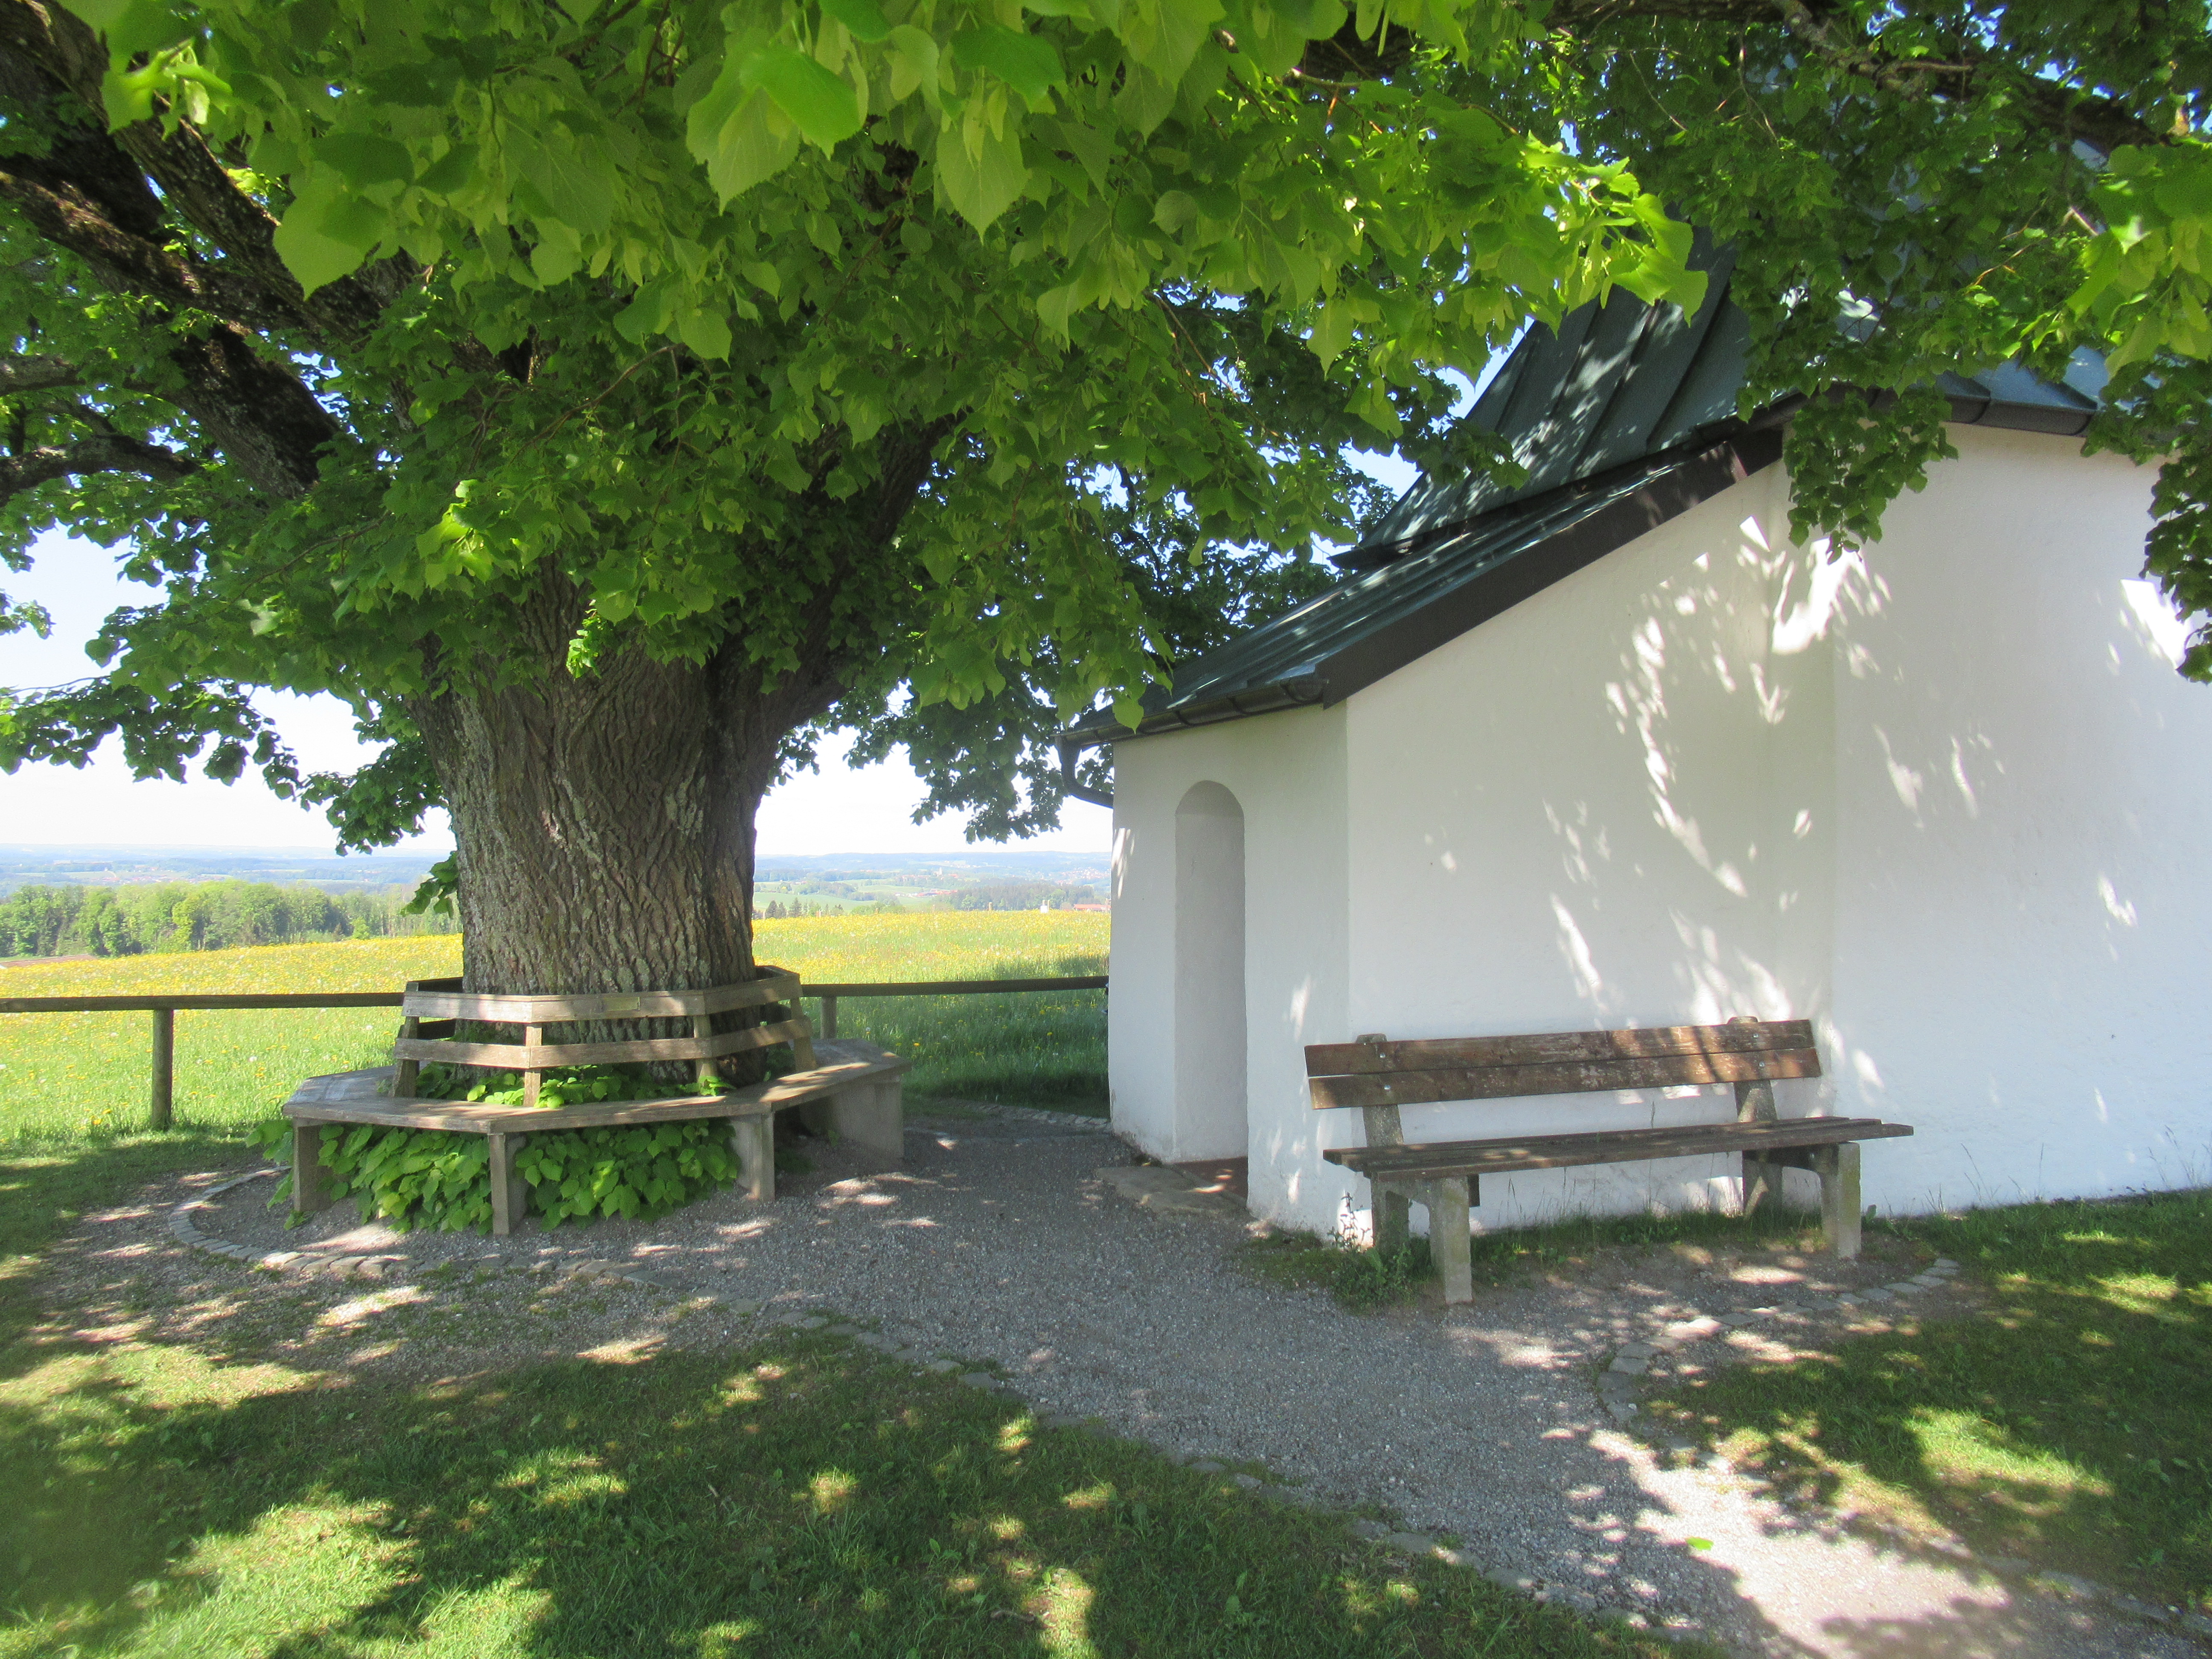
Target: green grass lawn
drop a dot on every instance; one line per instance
(792, 1496)
(2069, 1427)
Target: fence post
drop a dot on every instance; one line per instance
(829, 1018)
(165, 1068)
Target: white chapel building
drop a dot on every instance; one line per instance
(1612, 749)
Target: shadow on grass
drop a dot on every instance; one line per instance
(2066, 1427)
(1363, 1278)
(46, 1189)
(798, 1499)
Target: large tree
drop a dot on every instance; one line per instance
(606, 397)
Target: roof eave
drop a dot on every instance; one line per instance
(1673, 488)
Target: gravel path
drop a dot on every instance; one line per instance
(1000, 1246)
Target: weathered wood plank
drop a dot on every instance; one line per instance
(518, 1057)
(352, 1097)
(161, 1087)
(567, 1010)
(1556, 1047)
(212, 1000)
(1502, 1157)
(942, 988)
(1408, 1088)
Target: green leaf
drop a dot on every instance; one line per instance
(579, 194)
(1175, 209)
(1054, 306)
(362, 159)
(132, 27)
(429, 84)
(450, 172)
(755, 141)
(1164, 35)
(707, 333)
(326, 235)
(980, 183)
(558, 256)
(914, 65)
(1144, 99)
(822, 105)
(1332, 333)
(1027, 62)
(864, 18)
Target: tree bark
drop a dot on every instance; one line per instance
(603, 822)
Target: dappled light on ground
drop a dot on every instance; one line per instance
(2065, 1423)
(813, 1500)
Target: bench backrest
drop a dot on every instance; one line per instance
(432, 1009)
(1377, 1072)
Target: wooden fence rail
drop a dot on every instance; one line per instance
(164, 1010)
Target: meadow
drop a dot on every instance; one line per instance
(67, 1078)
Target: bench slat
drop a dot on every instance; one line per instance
(1411, 1088)
(513, 1056)
(1556, 1047)
(351, 1097)
(777, 984)
(1480, 1157)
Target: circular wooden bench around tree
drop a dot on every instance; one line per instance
(852, 1090)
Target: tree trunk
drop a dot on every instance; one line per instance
(605, 822)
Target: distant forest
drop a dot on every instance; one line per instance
(1023, 895)
(210, 915)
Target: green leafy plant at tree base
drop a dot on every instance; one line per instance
(573, 1086)
(637, 1172)
(439, 1178)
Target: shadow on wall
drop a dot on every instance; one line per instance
(1868, 764)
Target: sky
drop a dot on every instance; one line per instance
(839, 809)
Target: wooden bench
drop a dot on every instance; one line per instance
(851, 1089)
(1379, 1076)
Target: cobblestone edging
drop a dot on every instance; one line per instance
(595, 1270)
(1627, 1375)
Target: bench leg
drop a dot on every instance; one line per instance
(311, 1182)
(752, 1139)
(510, 1193)
(1762, 1180)
(1838, 1168)
(872, 1116)
(1450, 1243)
(1393, 1216)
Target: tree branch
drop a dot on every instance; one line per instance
(109, 452)
(44, 51)
(21, 374)
(1813, 24)
(2068, 112)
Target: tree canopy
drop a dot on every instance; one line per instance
(937, 366)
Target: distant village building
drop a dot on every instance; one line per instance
(1610, 749)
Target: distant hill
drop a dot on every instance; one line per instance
(939, 869)
(28, 864)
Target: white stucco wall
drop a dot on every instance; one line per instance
(1946, 797)
(2024, 812)
(1287, 774)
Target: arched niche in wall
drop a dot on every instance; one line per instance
(1209, 975)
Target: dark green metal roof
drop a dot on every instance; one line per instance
(1623, 418)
